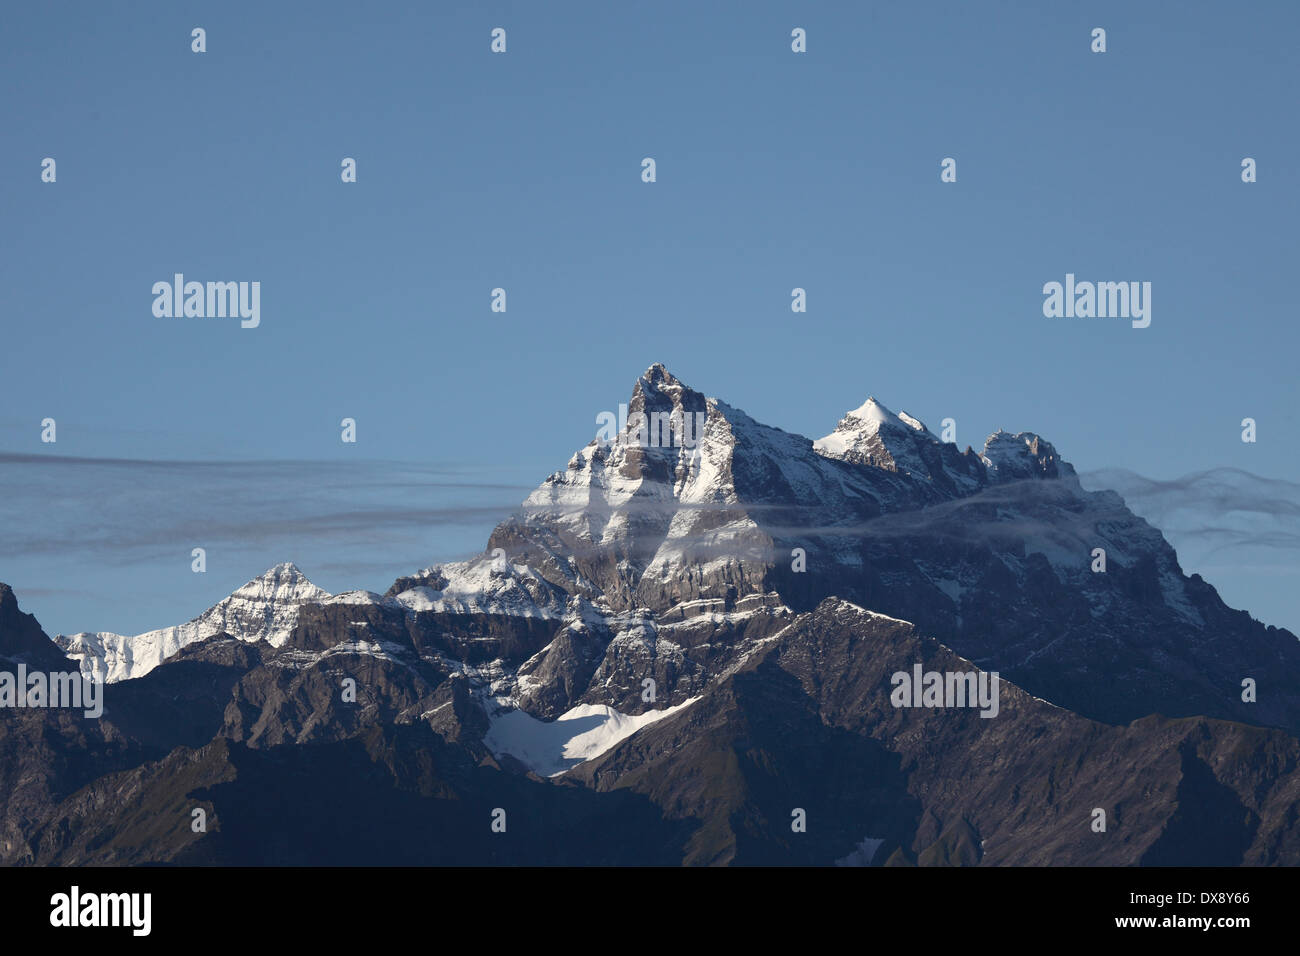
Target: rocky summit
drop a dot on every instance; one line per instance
(720, 644)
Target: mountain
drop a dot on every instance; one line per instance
(680, 642)
(805, 725)
(264, 609)
(21, 637)
(873, 435)
(990, 552)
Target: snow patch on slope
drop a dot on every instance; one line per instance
(584, 732)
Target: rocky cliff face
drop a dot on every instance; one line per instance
(678, 642)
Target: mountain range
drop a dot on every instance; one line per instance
(684, 652)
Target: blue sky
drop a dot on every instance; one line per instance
(522, 171)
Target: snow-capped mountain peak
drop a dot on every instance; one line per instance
(264, 609)
(285, 583)
(1010, 457)
(873, 435)
(872, 412)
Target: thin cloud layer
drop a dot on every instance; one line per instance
(136, 511)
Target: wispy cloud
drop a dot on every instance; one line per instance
(130, 510)
(1214, 510)
(133, 510)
